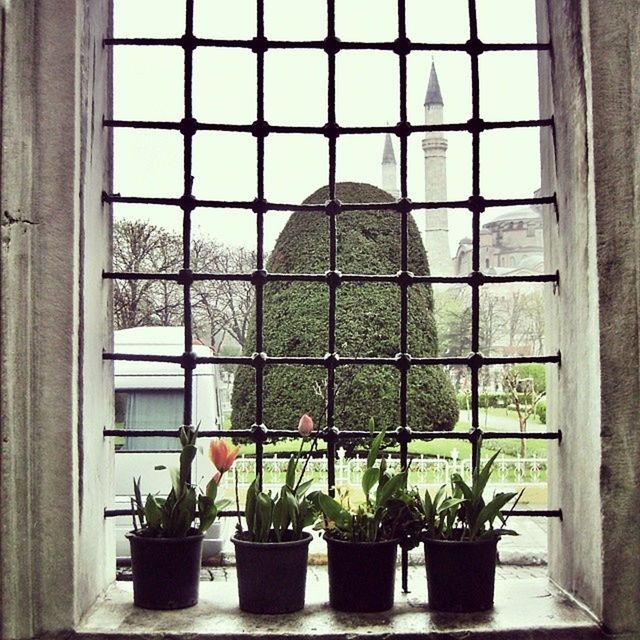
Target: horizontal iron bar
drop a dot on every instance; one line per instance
(320, 45)
(116, 198)
(114, 513)
(279, 434)
(320, 361)
(322, 278)
(321, 130)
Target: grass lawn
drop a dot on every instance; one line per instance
(496, 420)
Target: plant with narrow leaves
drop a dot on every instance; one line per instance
(175, 516)
(388, 512)
(283, 516)
(462, 513)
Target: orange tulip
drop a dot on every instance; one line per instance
(305, 426)
(221, 455)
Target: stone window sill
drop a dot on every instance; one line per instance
(527, 606)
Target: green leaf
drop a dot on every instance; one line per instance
(293, 508)
(393, 485)
(280, 517)
(480, 480)
(187, 456)
(263, 517)
(291, 472)
(449, 504)
(369, 479)
(303, 488)
(212, 489)
(375, 445)
(490, 512)
(176, 485)
(250, 506)
(153, 512)
(208, 512)
(333, 511)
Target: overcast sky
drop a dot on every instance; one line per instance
(149, 85)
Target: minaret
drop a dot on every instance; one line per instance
(434, 145)
(389, 173)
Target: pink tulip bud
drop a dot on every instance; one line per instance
(305, 426)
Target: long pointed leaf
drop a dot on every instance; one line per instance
(375, 447)
(394, 484)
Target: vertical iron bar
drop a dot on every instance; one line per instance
(474, 48)
(259, 371)
(404, 266)
(333, 250)
(187, 208)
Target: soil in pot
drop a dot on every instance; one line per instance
(166, 571)
(272, 576)
(361, 574)
(460, 575)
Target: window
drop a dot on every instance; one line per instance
(336, 132)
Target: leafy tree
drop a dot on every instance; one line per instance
(368, 320)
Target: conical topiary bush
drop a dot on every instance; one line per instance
(368, 324)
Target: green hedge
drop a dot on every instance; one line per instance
(368, 320)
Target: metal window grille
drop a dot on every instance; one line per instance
(404, 279)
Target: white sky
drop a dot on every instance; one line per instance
(149, 85)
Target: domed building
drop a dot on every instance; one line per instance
(511, 242)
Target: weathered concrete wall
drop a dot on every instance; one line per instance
(594, 97)
(54, 465)
(614, 60)
(572, 314)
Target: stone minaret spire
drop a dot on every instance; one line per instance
(434, 145)
(389, 172)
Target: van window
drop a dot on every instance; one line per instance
(149, 409)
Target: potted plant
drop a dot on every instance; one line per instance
(460, 542)
(166, 543)
(362, 539)
(272, 553)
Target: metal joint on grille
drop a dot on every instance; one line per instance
(404, 205)
(188, 361)
(188, 126)
(188, 42)
(185, 277)
(332, 45)
(259, 432)
(260, 129)
(403, 435)
(259, 360)
(477, 278)
(259, 44)
(474, 47)
(475, 435)
(403, 129)
(187, 202)
(402, 46)
(475, 360)
(403, 361)
(334, 278)
(259, 277)
(259, 205)
(476, 125)
(405, 278)
(332, 207)
(331, 130)
(330, 435)
(331, 360)
(476, 204)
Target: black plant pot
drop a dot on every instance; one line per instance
(361, 574)
(460, 575)
(166, 571)
(271, 575)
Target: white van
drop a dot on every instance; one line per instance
(149, 395)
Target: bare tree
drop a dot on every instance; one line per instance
(220, 307)
(525, 399)
(141, 247)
